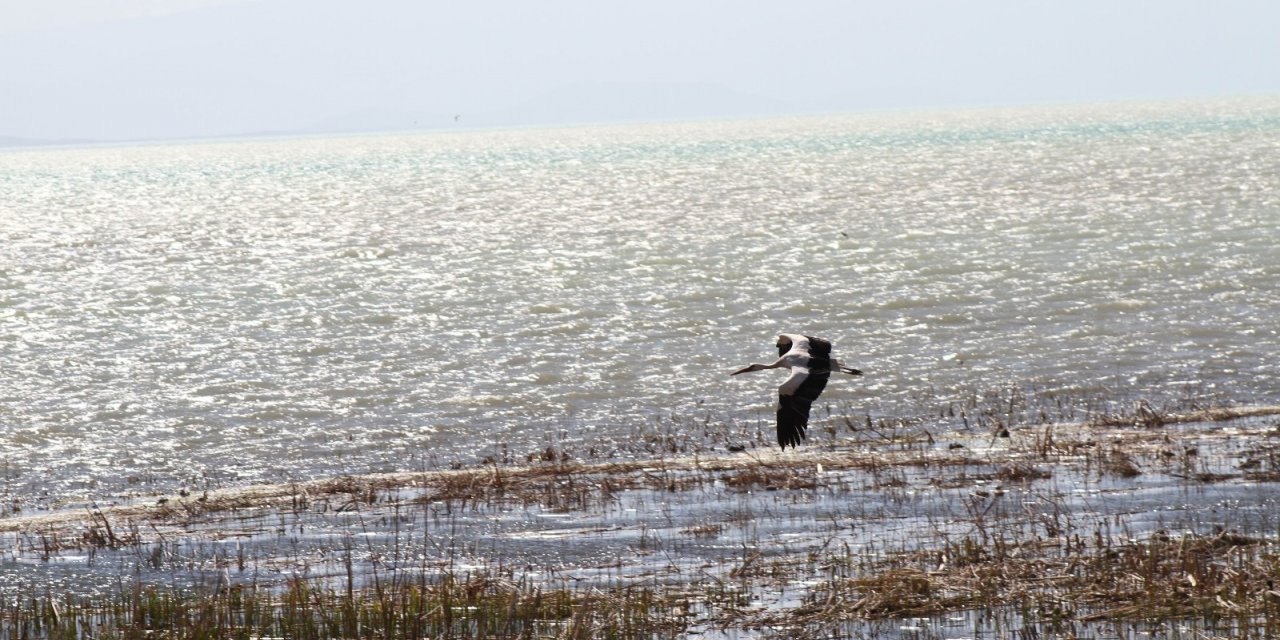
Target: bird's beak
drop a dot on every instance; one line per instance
(742, 370)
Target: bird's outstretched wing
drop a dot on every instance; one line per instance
(793, 419)
(818, 347)
(793, 409)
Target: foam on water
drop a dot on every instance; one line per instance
(269, 310)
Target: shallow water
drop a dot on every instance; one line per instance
(748, 540)
(213, 313)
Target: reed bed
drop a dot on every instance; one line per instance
(1224, 578)
(476, 606)
(994, 511)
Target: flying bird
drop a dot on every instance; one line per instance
(811, 364)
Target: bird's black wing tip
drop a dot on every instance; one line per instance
(793, 421)
(792, 439)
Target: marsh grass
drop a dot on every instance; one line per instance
(488, 605)
(1225, 577)
(968, 522)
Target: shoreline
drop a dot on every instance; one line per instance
(890, 525)
(831, 456)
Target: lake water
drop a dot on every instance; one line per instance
(235, 312)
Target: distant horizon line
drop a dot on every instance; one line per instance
(11, 142)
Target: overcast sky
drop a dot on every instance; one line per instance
(141, 69)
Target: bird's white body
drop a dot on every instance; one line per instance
(810, 362)
(797, 359)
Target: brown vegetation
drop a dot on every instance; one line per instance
(1000, 525)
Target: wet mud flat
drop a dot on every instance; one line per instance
(1126, 526)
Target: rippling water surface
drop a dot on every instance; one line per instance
(270, 310)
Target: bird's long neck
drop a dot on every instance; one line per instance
(757, 366)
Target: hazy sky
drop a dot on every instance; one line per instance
(128, 69)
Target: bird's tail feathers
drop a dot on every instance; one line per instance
(836, 365)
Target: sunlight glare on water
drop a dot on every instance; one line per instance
(279, 309)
